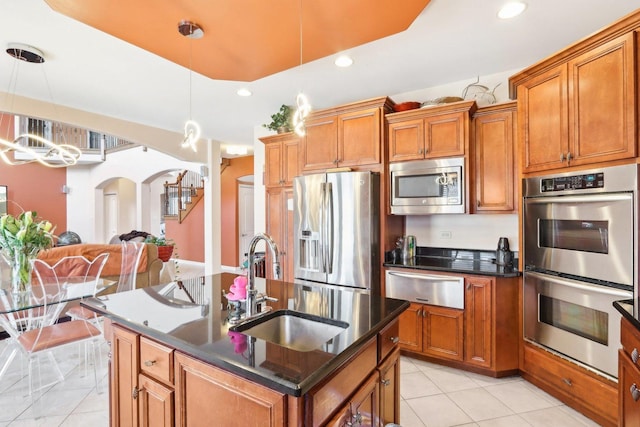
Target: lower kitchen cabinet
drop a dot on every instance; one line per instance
(431, 330)
(362, 408)
(389, 372)
(629, 376)
(151, 384)
(583, 390)
(442, 332)
(482, 337)
(206, 395)
(155, 403)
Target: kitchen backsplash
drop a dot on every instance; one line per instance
(463, 231)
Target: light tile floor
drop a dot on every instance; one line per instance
(431, 396)
(437, 396)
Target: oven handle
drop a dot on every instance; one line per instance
(580, 285)
(425, 276)
(612, 197)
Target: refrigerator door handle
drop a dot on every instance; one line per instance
(323, 228)
(329, 227)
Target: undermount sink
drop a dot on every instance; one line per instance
(292, 329)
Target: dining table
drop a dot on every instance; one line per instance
(18, 309)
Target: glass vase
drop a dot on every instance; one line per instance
(21, 275)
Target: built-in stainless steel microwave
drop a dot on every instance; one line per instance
(427, 186)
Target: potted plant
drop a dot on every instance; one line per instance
(280, 120)
(165, 246)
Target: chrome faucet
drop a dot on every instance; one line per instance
(252, 293)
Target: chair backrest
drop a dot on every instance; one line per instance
(131, 253)
(79, 274)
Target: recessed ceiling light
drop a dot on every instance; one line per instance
(511, 9)
(343, 61)
(244, 92)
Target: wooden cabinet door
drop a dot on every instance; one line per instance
(628, 391)
(543, 124)
(290, 161)
(442, 332)
(273, 165)
(406, 140)
(364, 404)
(123, 371)
(279, 209)
(206, 395)
(478, 321)
(359, 138)
(495, 171)
(445, 135)
(602, 93)
(411, 328)
(155, 403)
(321, 143)
(390, 389)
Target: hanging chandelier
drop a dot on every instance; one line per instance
(303, 107)
(44, 151)
(192, 129)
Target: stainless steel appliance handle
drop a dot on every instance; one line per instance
(423, 276)
(580, 285)
(323, 231)
(578, 199)
(330, 228)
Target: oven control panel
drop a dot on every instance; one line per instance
(574, 182)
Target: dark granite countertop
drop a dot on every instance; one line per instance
(463, 261)
(202, 331)
(629, 311)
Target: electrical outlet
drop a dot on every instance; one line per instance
(445, 234)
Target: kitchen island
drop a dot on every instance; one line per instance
(182, 363)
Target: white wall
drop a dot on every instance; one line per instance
(463, 231)
(85, 213)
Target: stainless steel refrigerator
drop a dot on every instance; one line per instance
(336, 229)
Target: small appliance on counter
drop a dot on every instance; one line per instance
(504, 256)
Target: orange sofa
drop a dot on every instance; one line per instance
(148, 270)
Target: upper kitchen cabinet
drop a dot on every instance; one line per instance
(345, 136)
(578, 107)
(430, 132)
(282, 159)
(495, 174)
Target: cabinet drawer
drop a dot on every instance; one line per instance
(156, 360)
(593, 395)
(388, 339)
(630, 339)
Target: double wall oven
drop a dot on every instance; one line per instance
(580, 240)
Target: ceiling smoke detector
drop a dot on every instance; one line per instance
(25, 53)
(190, 29)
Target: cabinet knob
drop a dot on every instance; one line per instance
(149, 362)
(421, 151)
(635, 393)
(562, 157)
(568, 156)
(134, 393)
(567, 381)
(635, 355)
(395, 340)
(385, 382)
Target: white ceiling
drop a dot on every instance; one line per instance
(451, 40)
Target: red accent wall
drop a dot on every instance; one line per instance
(240, 166)
(188, 236)
(33, 187)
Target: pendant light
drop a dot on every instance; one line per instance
(303, 107)
(192, 130)
(48, 153)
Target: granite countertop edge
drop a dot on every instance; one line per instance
(272, 382)
(625, 307)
